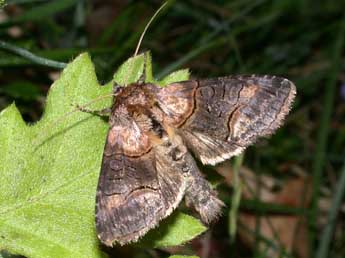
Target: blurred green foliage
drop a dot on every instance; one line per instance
(298, 39)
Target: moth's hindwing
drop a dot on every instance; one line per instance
(218, 118)
(138, 186)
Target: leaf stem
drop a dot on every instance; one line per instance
(30, 56)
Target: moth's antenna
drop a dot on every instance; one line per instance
(76, 110)
(147, 26)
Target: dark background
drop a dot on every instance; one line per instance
(301, 40)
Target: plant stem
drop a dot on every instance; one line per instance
(236, 197)
(326, 236)
(30, 56)
(319, 158)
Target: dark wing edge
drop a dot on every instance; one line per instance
(289, 96)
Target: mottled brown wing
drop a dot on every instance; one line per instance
(137, 186)
(218, 118)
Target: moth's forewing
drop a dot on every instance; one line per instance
(139, 185)
(177, 102)
(230, 113)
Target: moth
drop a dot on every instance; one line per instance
(154, 133)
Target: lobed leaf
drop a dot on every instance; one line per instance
(49, 173)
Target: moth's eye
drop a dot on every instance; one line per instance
(117, 89)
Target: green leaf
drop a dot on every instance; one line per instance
(130, 71)
(49, 171)
(178, 76)
(183, 256)
(49, 174)
(175, 230)
(149, 72)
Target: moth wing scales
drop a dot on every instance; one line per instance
(134, 192)
(227, 114)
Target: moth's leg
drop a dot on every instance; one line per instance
(102, 112)
(200, 195)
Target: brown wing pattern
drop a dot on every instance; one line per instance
(136, 189)
(230, 113)
(146, 168)
(177, 102)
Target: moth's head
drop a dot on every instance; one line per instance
(117, 89)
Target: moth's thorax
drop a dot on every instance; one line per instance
(137, 103)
